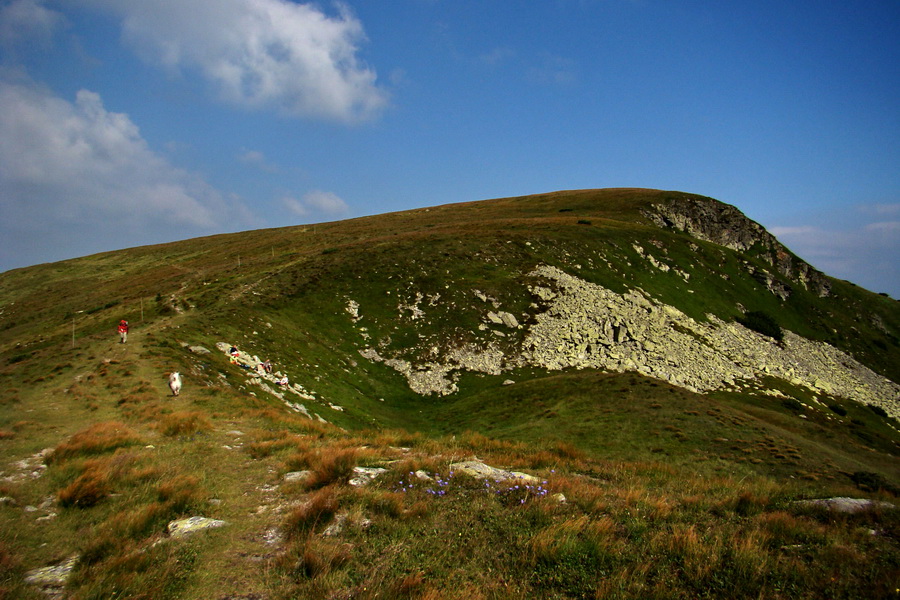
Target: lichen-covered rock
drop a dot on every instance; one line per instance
(297, 476)
(365, 475)
(480, 470)
(191, 525)
(54, 576)
(847, 505)
(582, 325)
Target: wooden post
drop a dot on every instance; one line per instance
(73, 331)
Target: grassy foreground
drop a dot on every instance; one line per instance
(642, 489)
(132, 458)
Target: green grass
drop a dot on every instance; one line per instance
(669, 494)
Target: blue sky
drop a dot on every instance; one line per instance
(130, 122)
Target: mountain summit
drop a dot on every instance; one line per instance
(346, 385)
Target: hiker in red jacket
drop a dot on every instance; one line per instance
(123, 331)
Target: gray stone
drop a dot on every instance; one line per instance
(365, 475)
(54, 576)
(480, 470)
(191, 525)
(297, 476)
(847, 505)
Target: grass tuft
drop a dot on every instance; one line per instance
(316, 510)
(183, 423)
(96, 439)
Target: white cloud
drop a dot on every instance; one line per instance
(294, 206)
(28, 21)
(792, 231)
(260, 54)
(78, 175)
(258, 160)
(326, 202)
(889, 227)
(317, 201)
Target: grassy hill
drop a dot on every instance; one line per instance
(668, 492)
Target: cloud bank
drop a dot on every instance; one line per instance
(865, 252)
(258, 54)
(28, 21)
(317, 201)
(76, 175)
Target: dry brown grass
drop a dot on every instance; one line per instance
(317, 509)
(181, 492)
(96, 439)
(183, 423)
(266, 443)
(317, 556)
(328, 464)
(88, 489)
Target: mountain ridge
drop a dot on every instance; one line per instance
(596, 340)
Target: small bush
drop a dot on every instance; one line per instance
(878, 410)
(792, 404)
(762, 322)
(873, 482)
(838, 409)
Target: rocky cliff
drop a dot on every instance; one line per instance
(713, 221)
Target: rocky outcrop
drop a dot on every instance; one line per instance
(713, 221)
(588, 326)
(250, 364)
(579, 324)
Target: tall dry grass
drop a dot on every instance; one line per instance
(95, 439)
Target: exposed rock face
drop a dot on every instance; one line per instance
(713, 221)
(578, 324)
(587, 325)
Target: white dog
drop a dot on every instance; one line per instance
(175, 383)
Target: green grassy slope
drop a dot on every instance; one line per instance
(669, 493)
